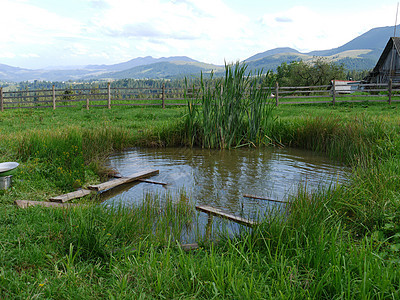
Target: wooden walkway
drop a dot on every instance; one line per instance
(60, 201)
(116, 182)
(70, 196)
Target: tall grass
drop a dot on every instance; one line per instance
(97, 232)
(231, 111)
(343, 242)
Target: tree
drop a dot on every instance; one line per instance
(316, 72)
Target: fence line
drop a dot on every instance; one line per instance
(337, 93)
(109, 96)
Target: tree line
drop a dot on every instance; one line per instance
(296, 73)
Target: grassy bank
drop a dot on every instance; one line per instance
(337, 243)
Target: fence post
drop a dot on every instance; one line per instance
(334, 92)
(163, 95)
(109, 95)
(390, 91)
(54, 97)
(276, 93)
(87, 103)
(1, 99)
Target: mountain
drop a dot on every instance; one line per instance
(375, 40)
(140, 61)
(271, 52)
(164, 69)
(361, 53)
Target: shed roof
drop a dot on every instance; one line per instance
(393, 42)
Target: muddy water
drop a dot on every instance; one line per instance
(220, 178)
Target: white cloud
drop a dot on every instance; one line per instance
(318, 29)
(29, 55)
(26, 24)
(7, 55)
(171, 20)
(111, 31)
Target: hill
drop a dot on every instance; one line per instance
(165, 69)
(140, 61)
(361, 53)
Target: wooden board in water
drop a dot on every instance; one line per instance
(116, 182)
(263, 198)
(219, 213)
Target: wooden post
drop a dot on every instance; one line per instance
(277, 93)
(209, 226)
(163, 95)
(109, 95)
(334, 92)
(54, 97)
(390, 91)
(87, 103)
(1, 99)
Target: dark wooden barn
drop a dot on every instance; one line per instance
(388, 65)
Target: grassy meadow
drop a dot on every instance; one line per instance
(342, 242)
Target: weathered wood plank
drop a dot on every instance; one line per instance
(153, 182)
(219, 213)
(116, 182)
(189, 247)
(143, 180)
(70, 196)
(28, 203)
(262, 198)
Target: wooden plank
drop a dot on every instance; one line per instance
(70, 196)
(304, 87)
(189, 247)
(143, 180)
(219, 213)
(153, 182)
(28, 203)
(116, 182)
(262, 198)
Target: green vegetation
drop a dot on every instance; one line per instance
(341, 242)
(231, 111)
(317, 72)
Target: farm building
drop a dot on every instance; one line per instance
(388, 65)
(345, 86)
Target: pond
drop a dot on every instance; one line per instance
(220, 178)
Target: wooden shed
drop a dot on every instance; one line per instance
(388, 65)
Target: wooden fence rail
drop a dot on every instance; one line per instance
(164, 96)
(337, 92)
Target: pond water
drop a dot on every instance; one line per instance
(220, 178)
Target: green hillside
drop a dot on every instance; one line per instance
(163, 70)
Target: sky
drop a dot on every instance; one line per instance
(51, 33)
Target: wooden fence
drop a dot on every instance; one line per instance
(337, 92)
(163, 96)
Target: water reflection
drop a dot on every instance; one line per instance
(220, 178)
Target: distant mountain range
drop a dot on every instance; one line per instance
(361, 53)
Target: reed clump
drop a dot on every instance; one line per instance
(231, 111)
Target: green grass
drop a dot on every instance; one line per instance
(230, 112)
(342, 242)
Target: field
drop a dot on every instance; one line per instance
(342, 242)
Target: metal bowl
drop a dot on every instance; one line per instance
(7, 168)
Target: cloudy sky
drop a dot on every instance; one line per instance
(48, 33)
